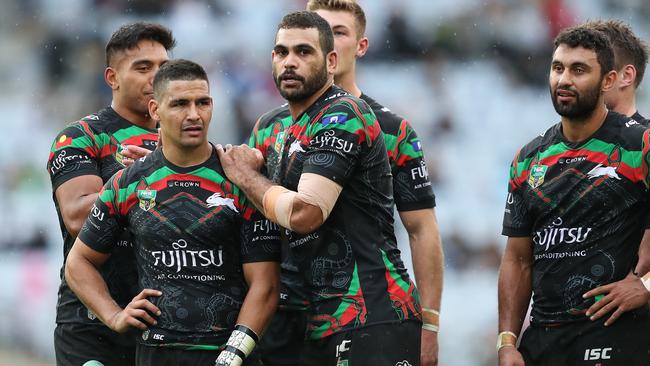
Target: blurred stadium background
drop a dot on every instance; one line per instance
(471, 75)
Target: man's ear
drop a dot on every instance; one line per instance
(332, 60)
(627, 76)
(153, 110)
(609, 81)
(362, 47)
(110, 76)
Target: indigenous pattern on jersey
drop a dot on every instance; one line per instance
(293, 291)
(351, 264)
(583, 204)
(411, 185)
(93, 146)
(192, 230)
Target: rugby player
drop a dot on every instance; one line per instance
(84, 155)
(574, 217)
(206, 259)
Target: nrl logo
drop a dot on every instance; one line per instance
(118, 153)
(217, 200)
(279, 142)
(536, 177)
(147, 199)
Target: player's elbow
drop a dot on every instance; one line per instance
(306, 218)
(73, 221)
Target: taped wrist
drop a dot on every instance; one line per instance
(506, 339)
(646, 281)
(239, 346)
(430, 319)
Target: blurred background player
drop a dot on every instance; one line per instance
(83, 157)
(207, 260)
(360, 296)
(630, 60)
(411, 191)
(574, 217)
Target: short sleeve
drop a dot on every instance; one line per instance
(411, 184)
(102, 227)
(516, 220)
(336, 140)
(72, 154)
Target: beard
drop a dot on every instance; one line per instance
(310, 84)
(583, 106)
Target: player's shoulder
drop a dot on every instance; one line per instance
(624, 131)
(541, 142)
(142, 167)
(337, 99)
(274, 115)
(389, 121)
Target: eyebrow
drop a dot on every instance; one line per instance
(299, 46)
(574, 64)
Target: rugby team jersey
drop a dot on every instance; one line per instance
(411, 185)
(351, 264)
(583, 204)
(93, 146)
(192, 230)
(639, 118)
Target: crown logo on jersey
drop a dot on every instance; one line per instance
(536, 177)
(147, 198)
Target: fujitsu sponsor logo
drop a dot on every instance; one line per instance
(420, 172)
(63, 158)
(180, 257)
(557, 234)
(265, 226)
(327, 139)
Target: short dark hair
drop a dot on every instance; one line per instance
(306, 20)
(179, 69)
(628, 48)
(348, 6)
(128, 36)
(591, 39)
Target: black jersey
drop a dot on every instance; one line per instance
(583, 204)
(351, 264)
(411, 185)
(93, 146)
(639, 118)
(192, 230)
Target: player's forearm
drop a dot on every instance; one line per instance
(643, 266)
(254, 185)
(87, 283)
(515, 288)
(259, 305)
(428, 262)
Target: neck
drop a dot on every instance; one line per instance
(348, 83)
(627, 105)
(187, 156)
(576, 130)
(139, 119)
(296, 108)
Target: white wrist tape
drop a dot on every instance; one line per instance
(646, 281)
(239, 346)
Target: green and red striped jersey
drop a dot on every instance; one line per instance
(584, 205)
(93, 146)
(351, 266)
(192, 231)
(411, 185)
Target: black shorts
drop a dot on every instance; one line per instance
(624, 343)
(283, 340)
(75, 344)
(168, 356)
(387, 344)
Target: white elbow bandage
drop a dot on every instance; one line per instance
(239, 346)
(313, 189)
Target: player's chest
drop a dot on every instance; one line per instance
(111, 147)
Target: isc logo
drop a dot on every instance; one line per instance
(161, 337)
(598, 354)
